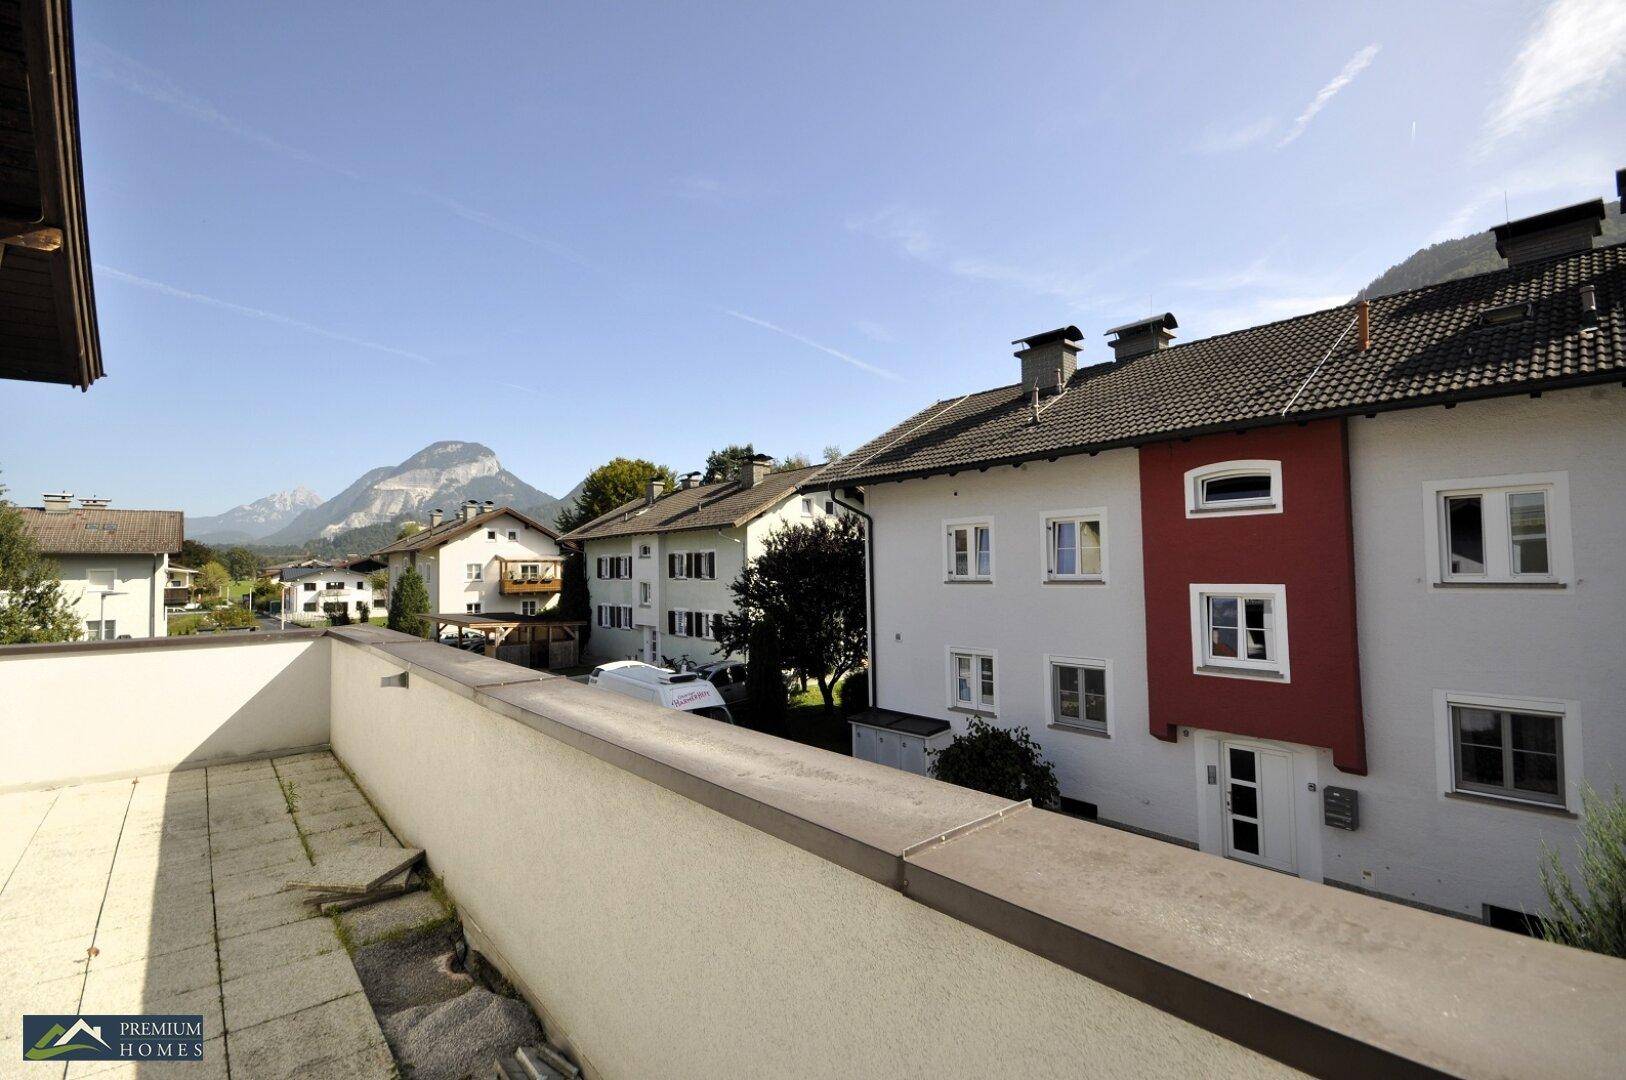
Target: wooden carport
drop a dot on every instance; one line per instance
(535, 641)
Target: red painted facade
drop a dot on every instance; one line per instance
(1308, 548)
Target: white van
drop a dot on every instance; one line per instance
(685, 691)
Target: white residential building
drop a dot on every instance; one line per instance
(485, 559)
(113, 564)
(1340, 596)
(312, 593)
(659, 569)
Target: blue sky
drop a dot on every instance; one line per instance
(328, 234)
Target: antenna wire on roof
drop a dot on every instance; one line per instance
(1317, 369)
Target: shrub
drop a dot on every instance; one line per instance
(185, 625)
(363, 612)
(855, 693)
(999, 762)
(231, 618)
(409, 602)
(338, 614)
(1597, 921)
(765, 678)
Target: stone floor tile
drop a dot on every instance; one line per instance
(262, 950)
(226, 841)
(281, 991)
(342, 818)
(374, 1063)
(327, 843)
(257, 857)
(110, 991)
(234, 890)
(284, 1047)
(211, 1067)
(278, 909)
(132, 941)
(50, 996)
(168, 975)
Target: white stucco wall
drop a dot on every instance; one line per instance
(139, 611)
(454, 591)
(97, 711)
(1131, 777)
(353, 589)
(1417, 640)
(611, 899)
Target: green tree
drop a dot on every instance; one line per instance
(267, 590)
(195, 556)
(613, 484)
(790, 462)
(409, 603)
(241, 563)
(1597, 920)
(575, 604)
(808, 585)
(725, 464)
(214, 579)
(379, 581)
(1000, 762)
(408, 528)
(765, 679)
(32, 605)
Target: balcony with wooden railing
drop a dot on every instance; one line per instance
(528, 577)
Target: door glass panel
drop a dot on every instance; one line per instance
(1245, 800)
(1465, 527)
(1245, 836)
(1241, 764)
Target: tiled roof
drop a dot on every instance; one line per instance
(1428, 346)
(450, 530)
(79, 531)
(723, 505)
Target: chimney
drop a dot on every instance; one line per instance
(57, 502)
(753, 472)
(90, 503)
(652, 490)
(487, 506)
(434, 517)
(1363, 321)
(1544, 236)
(689, 480)
(471, 507)
(1048, 359)
(1142, 336)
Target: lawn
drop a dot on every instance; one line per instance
(807, 722)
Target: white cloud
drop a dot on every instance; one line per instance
(1357, 64)
(1576, 51)
(1221, 139)
(909, 231)
(259, 313)
(861, 365)
(1540, 183)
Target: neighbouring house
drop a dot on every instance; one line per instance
(659, 568)
(1339, 595)
(113, 564)
(180, 587)
(485, 559)
(313, 593)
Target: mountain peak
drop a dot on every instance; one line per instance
(448, 452)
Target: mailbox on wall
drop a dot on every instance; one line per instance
(1341, 808)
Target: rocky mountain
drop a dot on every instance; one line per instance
(1466, 256)
(442, 474)
(255, 520)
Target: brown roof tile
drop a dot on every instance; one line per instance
(1428, 346)
(79, 531)
(723, 505)
(450, 530)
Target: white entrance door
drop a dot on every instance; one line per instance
(1257, 814)
(652, 646)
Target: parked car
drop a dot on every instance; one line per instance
(685, 691)
(728, 676)
(467, 640)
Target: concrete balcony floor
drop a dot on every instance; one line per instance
(163, 894)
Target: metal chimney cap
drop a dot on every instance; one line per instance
(1165, 321)
(1046, 337)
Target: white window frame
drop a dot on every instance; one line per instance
(474, 572)
(513, 534)
(643, 551)
(491, 534)
(1277, 670)
(978, 706)
(644, 593)
(970, 525)
(626, 617)
(1196, 506)
(1498, 540)
(472, 607)
(1569, 713)
(1053, 661)
(527, 607)
(1048, 520)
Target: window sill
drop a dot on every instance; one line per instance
(1235, 508)
(1240, 673)
(1550, 809)
(1505, 584)
(1074, 581)
(987, 714)
(1079, 729)
(968, 581)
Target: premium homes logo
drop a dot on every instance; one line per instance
(112, 1038)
